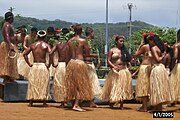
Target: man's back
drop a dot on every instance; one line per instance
(78, 47)
(39, 50)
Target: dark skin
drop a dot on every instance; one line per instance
(9, 38)
(78, 48)
(143, 49)
(157, 57)
(63, 49)
(166, 60)
(20, 36)
(89, 60)
(63, 52)
(8, 33)
(116, 64)
(29, 39)
(39, 50)
(176, 51)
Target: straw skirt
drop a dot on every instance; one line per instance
(142, 86)
(38, 82)
(159, 85)
(23, 67)
(175, 82)
(59, 90)
(94, 80)
(118, 86)
(78, 84)
(8, 66)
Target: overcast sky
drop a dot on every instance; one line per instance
(163, 13)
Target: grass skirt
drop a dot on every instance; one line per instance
(118, 86)
(8, 66)
(94, 80)
(38, 82)
(23, 67)
(142, 86)
(59, 90)
(175, 82)
(159, 85)
(78, 84)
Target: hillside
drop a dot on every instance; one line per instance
(114, 28)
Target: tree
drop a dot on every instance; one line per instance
(166, 35)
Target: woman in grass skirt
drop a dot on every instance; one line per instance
(118, 84)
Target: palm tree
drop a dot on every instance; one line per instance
(11, 9)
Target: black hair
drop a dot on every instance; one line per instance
(146, 40)
(178, 32)
(88, 31)
(50, 30)
(65, 31)
(34, 29)
(78, 29)
(158, 42)
(8, 15)
(171, 52)
(178, 35)
(125, 56)
(23, 26)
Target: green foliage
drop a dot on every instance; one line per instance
(75, 43)
(52, 41)
(166, 35)
(66, 37)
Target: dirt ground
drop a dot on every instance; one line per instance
(20, 111)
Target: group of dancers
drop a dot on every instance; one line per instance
(69, 63)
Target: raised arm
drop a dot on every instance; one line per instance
(156, 56)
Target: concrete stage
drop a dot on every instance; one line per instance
(16, 91)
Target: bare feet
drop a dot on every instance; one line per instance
(141, 109)
(93, 105)
(77, 108)
(45, 105)
(61, 105)
(30, 103)
(121, 108)
(111, 105)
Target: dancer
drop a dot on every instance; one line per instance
(78, 84)
(38, 78)
(91, 67)
(8, 54)
(159, 80)
(142, 87)
(175, 73)
(118, 84)
(62, 49)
